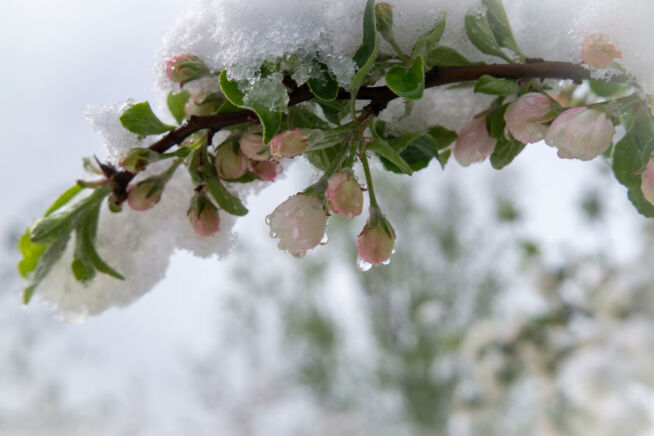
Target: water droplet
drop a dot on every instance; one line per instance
(387, 261)
(363, 265)
(273, 234)
(268, 219)
(393, 252)
(299, 255)
(325, 239)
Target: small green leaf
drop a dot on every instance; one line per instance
(50, 256)
(48, 229)
(407, 82)
(490, 85)
(365, 56)
(420, 152)
(31, 253)
(480, 34)
(88, 231)
(443, 137)
(609, 89)
(325, 86)
(499, 23)
(505, 151)
(270, 120)
(443, 157)
(140, 119)
(389, 155)
(323, 158)
(64, 198)
(447, 57)
(176, 103)
(427, 41)
(334, 110)
(300, 116)
(225, 199)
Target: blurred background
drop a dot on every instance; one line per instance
(518, 302)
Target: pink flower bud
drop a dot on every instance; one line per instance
(290, 143)
(647, 185)
(344, 194)
(144, 195)
(597, 52)
(230, 162)
(299, 223)
(185, 67)
(580, 132)
(203, 216)
(474, 143)
(267, 171)
(528, 116)
(376, 241)
(253, 147)
(384, 19)
(200, 104)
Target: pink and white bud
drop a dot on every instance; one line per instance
(384, 19)
(376, 241)
(474, 143)
(528, 117)
(253, 147)
(344, 194)
(230, 162)
(580, 132)
(597, 52)
(647, 185)
(198, 104)
(185, 67)
(203, 216)
(290, 143)
(267, 171)
(299, 223)
(143, 195)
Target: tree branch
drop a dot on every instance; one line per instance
(379, 97)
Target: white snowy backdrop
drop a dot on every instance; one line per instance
(216, 348)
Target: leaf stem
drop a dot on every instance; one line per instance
(366, 169)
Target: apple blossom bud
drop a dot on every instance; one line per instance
(299, 223)
(384, 19)
(185, 67)
(647, 185)
(203, 216)
(344, 194)
(580, 132)
(527, 117)
(597, 52)
(474, 143)
(144, 195)
(267, 171)
(253, 147)
(289, 143)
(230, 162)
(136, 159)
(200, 104)
(376, 241)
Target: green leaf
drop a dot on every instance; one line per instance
(300, 116)
(505, 151)
(499, 24)
(322, 159)
(64, 198)
(334, 110)
(443, 137)
(225, 199)
(609, 89)
(270, 120)
(140, 119)
(88, 231)
(490, 85)
(495, 120)
(420, 152)
(389, 155)
(31, 253)
(365, 56)
(447, 57)
(480, 34)
(427, 41)
(48, 229)
(630, 157)
(176, 103)
(50, 256)
(325, 86)
(407, 82)
(443, 157)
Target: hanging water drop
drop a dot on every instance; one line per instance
(273, 234)
(325, 239)
(300, 254)
(387, 261)
(268, 219)
(363, 265)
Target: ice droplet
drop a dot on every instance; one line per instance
(273, 234)
(300, 254)
(387, 261)
(268, 219)
(363, 265)
(325, 239)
